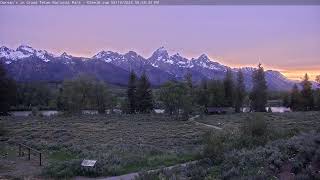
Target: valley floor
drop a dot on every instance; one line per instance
(121, 144)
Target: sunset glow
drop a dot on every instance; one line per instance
(284, 38)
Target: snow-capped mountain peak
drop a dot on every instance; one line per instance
(132, 54)
(180, 61)
(176, 55)
(109, 56)
(26, 49)
(12, 55)
(65, 55)
(23, 51)
(203, 61)
(103, 54)
(203, 57)
(160, 66)
(161, 49)
(160, 53)
(3, 48)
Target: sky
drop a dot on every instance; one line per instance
(284, 38)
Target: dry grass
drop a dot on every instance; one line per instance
(124, 142)
(129, 143)
(299, 121)
(139, 131)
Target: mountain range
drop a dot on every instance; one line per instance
(28, 64)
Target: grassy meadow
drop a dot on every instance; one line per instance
(120, 143)
(137, 143)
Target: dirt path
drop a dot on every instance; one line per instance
(131, 176)
(192, 119)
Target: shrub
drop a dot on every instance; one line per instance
(214, 145)
(192, 171)
(299, 152)
(63, 169)
(254, 132)
(3, 130)
(256, 126)
(217, 143)
(35, 111)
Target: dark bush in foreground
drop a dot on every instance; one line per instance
(299, 155)
(254, 131)
(63, 169)
(193, 171)
(215, 145)
(3, 131)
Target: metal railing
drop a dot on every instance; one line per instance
(21, 146)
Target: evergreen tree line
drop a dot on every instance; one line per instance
(86, 92)
(184, 97)
(305, 98)
(8, 90)
(139, 95)
(178, 98)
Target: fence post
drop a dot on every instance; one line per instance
(28, 153)
(19, 150)
(40, 159)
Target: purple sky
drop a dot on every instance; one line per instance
(286, 38)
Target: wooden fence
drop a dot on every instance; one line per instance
(23, 146)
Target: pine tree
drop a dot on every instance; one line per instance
(188, 79)
(144, 95)
(307, 94)
(317, 99)
(60, 104)
(8, 91)
(240, 92)
(318, 80)
(203, 94)
(228, 88)
(317, 93)
(285, 101)
(216, 93)
(295, 102)
(131, 92)
(190, 97)
(258, 94)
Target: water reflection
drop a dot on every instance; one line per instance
(158, 111)
(280, 109)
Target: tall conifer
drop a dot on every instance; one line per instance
(259, 94)
(307, 94)
(240, 92)
(144, 95)
(131, 92)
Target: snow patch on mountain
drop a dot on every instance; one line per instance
(26, 49)
(205, 62)
(22, 52)
(102, 54)
(11, 55)
(160, 65)
(65, 56)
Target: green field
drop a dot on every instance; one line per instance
(121, 144)
(129, 143)
(299, 121)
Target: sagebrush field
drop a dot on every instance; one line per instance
(135, 143)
